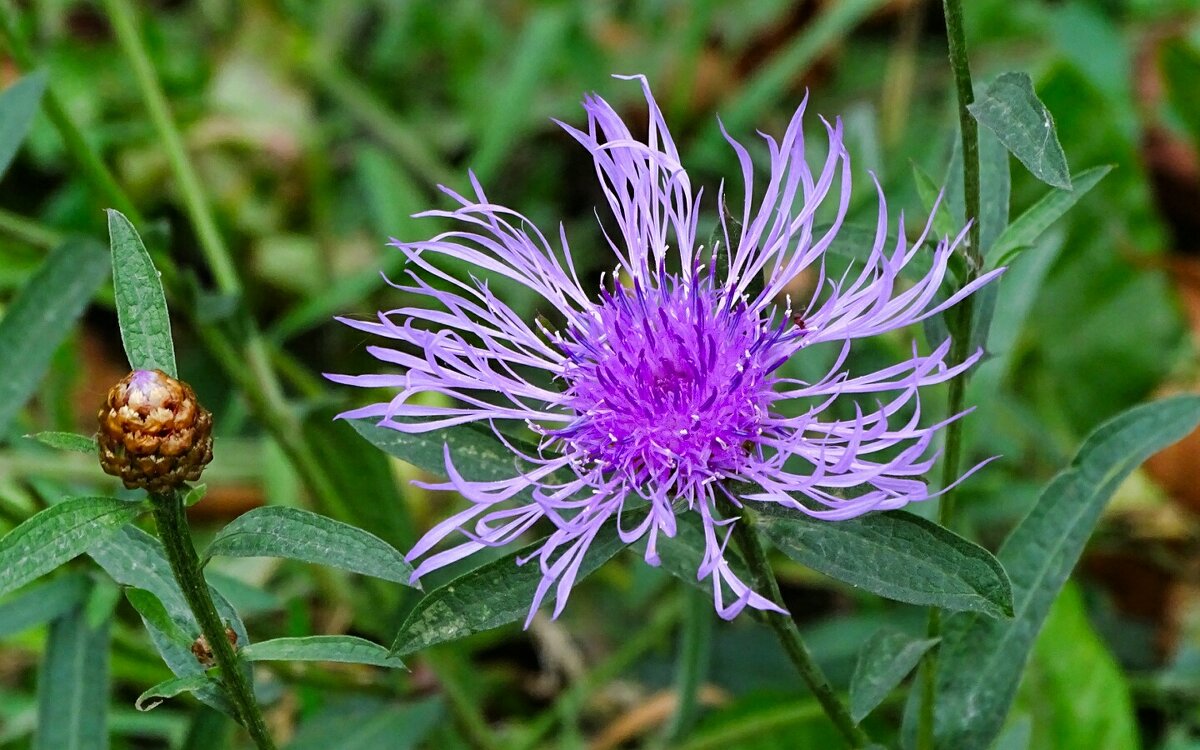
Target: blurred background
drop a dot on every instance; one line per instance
(318, 127)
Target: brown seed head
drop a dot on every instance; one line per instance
(153, 433)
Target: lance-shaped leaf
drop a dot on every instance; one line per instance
(296, 534)
(1011, 109)
(141, 304)
(73, 686)
(41, 317)
(58, 534)
(494, 594)
(339, 648)
(18, 105)
(193, 683)
(66, 441)
(42, 603)
(478, 455)
(1037, 218)
(885, 660)
(896, 555)
(981, 660)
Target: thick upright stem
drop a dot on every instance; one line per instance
(962, 323)
(172, 525)
(789, 636)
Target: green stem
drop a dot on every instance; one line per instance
(694, 651)
(788, 633)
(124, 25)
(170, 517)
(961, 324)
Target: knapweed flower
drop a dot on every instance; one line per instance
(661, 393)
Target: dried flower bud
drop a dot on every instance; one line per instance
(203, 652)
(153, 432)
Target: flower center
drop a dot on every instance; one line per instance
(669, 381)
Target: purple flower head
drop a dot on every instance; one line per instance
(664, 387)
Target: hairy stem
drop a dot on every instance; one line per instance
(788, 634)
(961, 324)
(171, 520)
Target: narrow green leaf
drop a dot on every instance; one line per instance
(101, 602)
(58, 534)
(18, 105)
(339, 648)
(42, 603)
(364, 480)
(981, 660)
(995, 186)
(141, 304)
(929, 193)
(1011, 109)
(134, 558)
(494, 594)
(538, 47)
(66, 441)
(41, 317)
(73, 687)
(1037, 218)
(295, 534)
(194, 495)
(896, 555)
(478, 456)
(193, 683)
(884, 661)
(681, 555)
(155, 615)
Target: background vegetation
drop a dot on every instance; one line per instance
(317, 128)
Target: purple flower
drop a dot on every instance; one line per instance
(661, 393)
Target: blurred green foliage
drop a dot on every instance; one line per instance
(318, 129)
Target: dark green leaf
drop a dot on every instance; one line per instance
(1011, 109)
(929, 193)
(478, 456)
(896, 555)
(193, 683)
(18, 105)
(155, 615)
(494, 594)
(981, 660)
(995, 185)
(364, 480)
(42, 603)
(1037, 218)
(42, 316)
(134, 558)
(66, 441)
(141, 304)
(295, 534)
(58, 534)
(73, 686)
(340, 648)
(681, 555)
(885, 660)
